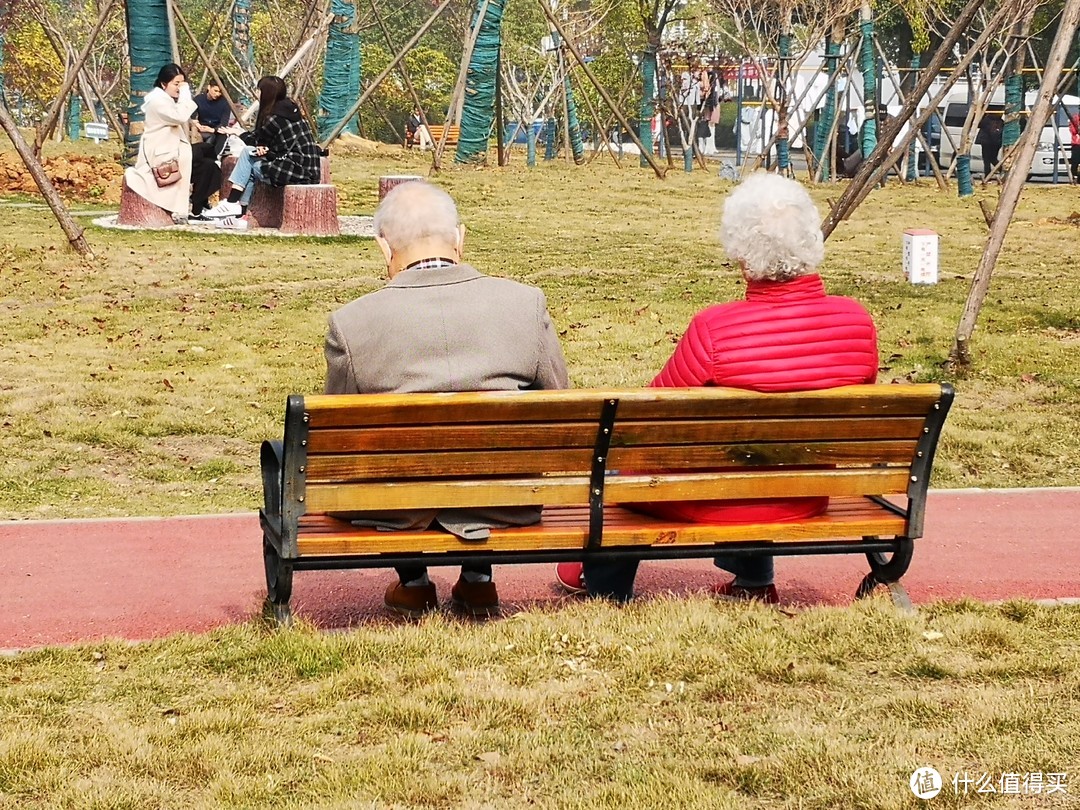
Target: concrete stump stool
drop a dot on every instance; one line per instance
(310, 210)
(388, 181)
(268, 202)
(140, 212)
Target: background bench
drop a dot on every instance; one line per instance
(452, 136)
(582, 452)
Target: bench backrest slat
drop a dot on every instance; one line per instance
(356, 467)
(567, 490)
(627, 433)
(329, 411)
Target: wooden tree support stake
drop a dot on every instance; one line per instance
(656, 167)
(1014, 183)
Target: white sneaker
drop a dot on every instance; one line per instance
(233, 223)
(223, 209)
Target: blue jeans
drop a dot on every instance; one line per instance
(247, 172)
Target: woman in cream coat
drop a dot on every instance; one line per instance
(167, 111)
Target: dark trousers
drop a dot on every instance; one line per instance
(410, 572)
(614, 579)
(205, 173)
(1074, 163)
(990, 157)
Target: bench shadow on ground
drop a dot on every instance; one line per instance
(340, 600)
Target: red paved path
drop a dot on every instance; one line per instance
(82, 580)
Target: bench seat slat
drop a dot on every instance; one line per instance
(380, 466)
(626, 434)
(567, 528)
(584, 404)
(560, 491)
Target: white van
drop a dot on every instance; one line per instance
(1054, 143)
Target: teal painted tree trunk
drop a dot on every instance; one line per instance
(150, 48)
(478, 110)
(648, 101)
(576, 146)
(823, 130)
(243, 48)
(868, 67)
(1014, 103)
(74, 122)
(912, 157)
(783, 157)
(341, 69)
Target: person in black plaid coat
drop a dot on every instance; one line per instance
(280, 151)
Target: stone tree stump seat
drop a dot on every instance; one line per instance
(310, 210)
(138, 211)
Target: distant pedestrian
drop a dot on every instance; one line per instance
(989, 138)
(1074, 158)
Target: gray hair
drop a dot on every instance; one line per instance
(416, 210)
(770, 226)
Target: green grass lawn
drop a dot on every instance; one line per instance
(680, 703)
(140, 383)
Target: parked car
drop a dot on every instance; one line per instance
(1054, 141)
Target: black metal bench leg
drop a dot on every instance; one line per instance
(885, 569)
(279, 575)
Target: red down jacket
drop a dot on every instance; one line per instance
(786, 336)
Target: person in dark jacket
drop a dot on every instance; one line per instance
(787, 335)
(280, 151)
(212, 123)
(989, 138)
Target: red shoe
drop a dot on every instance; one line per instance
(571, 577)
(737, 593)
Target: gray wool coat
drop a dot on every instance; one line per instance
(445, 329)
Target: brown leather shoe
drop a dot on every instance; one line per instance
(475, 598)
(413, 602)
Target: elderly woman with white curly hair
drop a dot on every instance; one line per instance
(786, 335)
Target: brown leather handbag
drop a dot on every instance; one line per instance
(167, 172)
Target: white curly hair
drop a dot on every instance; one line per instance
(771, 227)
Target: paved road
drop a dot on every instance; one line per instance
(81, 580)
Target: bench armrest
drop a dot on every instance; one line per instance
(271, 456)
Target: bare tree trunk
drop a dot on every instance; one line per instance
(48, 191)
(371, 88)
(1014, 183)
(69, 80)
(868, 172)
(656, 167)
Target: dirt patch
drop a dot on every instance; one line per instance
(76, 177)
(1072, 219)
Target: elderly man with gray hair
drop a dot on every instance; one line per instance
(787, 335)
(440, 325)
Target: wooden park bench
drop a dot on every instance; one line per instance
(580, 453)
(453, 133)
